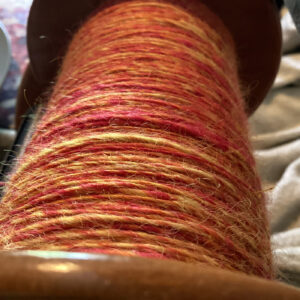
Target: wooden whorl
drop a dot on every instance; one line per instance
(62, 275)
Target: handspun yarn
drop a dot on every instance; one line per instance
(143, 148)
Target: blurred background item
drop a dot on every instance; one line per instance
(5, 52)
(13, 16)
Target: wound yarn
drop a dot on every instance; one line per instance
(143, 147)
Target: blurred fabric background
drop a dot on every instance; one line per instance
(275, 129)
(13, 14)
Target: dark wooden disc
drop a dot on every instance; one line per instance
(254, 25)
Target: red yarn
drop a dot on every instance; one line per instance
(143, 148)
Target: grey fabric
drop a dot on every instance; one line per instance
(294, 8)
(7, 137)
(291, 38)
(275, 130)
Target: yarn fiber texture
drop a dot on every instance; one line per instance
(143, 148)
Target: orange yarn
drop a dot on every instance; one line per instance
(143, 149)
